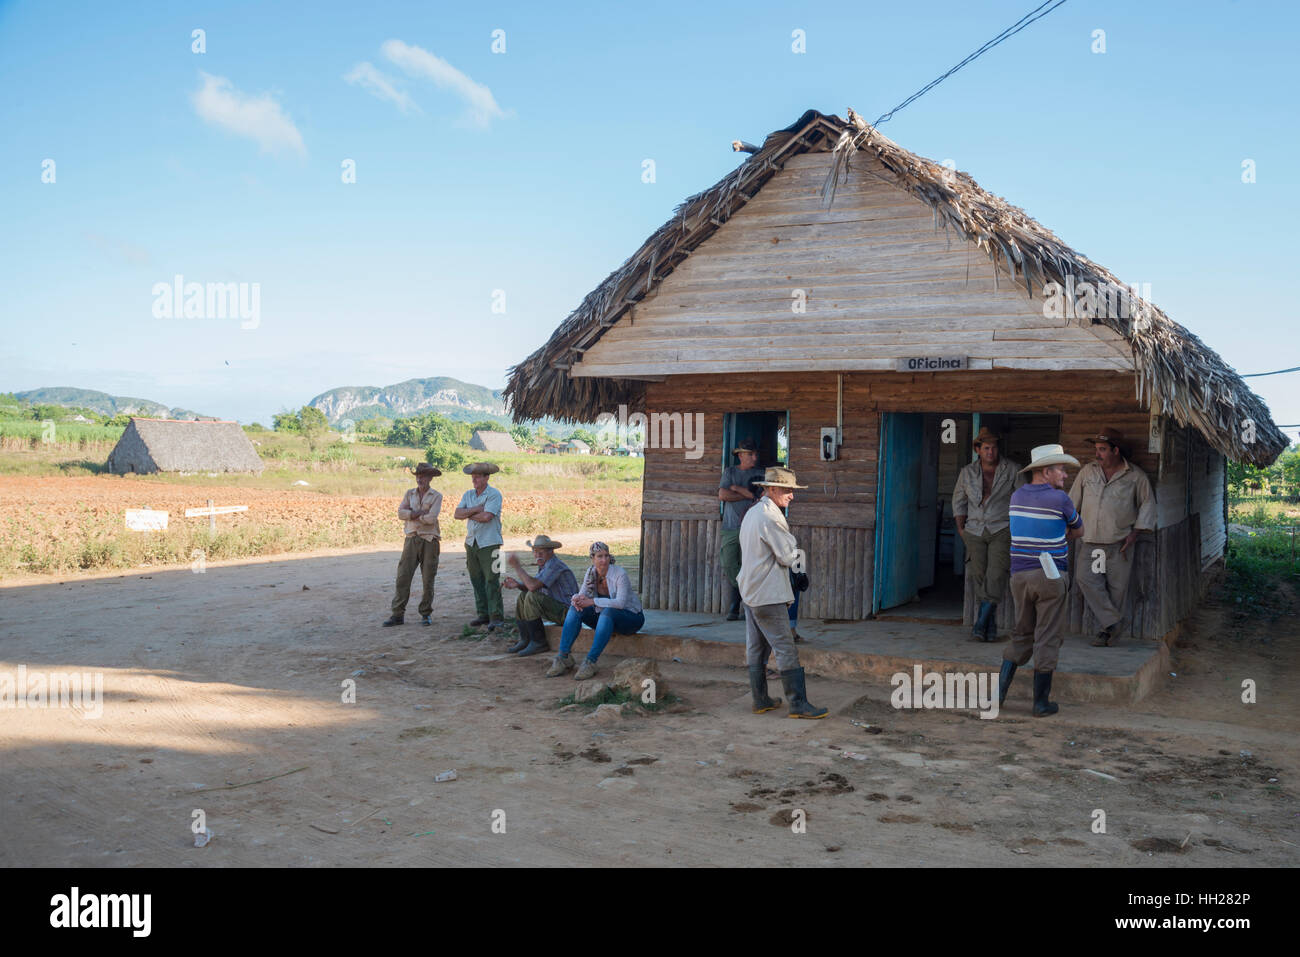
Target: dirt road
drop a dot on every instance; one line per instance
(222, 694)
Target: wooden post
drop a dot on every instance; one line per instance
(212, 519)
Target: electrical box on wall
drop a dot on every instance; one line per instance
(828, 447)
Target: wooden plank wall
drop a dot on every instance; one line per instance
(834, 518)
(881, 281)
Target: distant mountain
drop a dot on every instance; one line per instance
(451, 397)
(104, 403)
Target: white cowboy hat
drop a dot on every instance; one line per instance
(1045, 455)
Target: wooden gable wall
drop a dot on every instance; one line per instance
(881, 282)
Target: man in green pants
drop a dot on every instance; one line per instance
(737, 497)
(419, 515)
(480, 509)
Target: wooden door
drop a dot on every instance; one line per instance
(898, 509)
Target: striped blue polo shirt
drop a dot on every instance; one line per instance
(1040, 515)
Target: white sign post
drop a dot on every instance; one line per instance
(146, 520)
(212, 511)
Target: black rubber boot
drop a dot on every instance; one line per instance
(977, 630)
(536, 639)
(525, 636)
(1004, 679)
(733, 602)
(991, 626)
(758, 688)
(394, 620)
(1042, 688)
(796, 691)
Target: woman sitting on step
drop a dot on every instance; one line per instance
(605, 602)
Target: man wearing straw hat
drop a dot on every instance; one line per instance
(419, 514)
(980, 503)
(737, 495)
(1043, 521)
(480, 509)
(544, 597)
(768, 549)
(1114, 497)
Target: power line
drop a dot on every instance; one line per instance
(1255, 375)
(1010, 31)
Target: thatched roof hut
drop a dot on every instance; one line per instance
(1171, 367)
(861, 312)
(486, 441)
(171, 445)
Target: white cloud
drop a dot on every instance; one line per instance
(483, 108)
(380, 85)
(259, 118)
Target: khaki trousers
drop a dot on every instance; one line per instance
(485, 580)
(416, 552)
(1106, 590)
(729, 554)
(988, 562)
(768, 626)
(1040, 619)
(537, 605)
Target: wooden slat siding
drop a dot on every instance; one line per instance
(841, 494)
(881, 281)
(1206, 474)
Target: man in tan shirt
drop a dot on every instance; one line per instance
(419, 514)
(1114, 497)
(981, 503)
(767, 551)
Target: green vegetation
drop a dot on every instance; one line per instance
(1261, 567)
(620, 696)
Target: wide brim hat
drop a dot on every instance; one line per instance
(542, 541)
(1045, 455)
(986, 435)
(481, 468)
(425, 468)
(779, 478)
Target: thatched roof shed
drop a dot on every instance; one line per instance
(1174, 373)
(170, 445)
(486, 441)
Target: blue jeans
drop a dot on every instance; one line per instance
(606, 621)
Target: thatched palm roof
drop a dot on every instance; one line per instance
(172, 445)
(1191, 383)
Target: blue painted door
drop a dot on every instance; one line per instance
(898, 501)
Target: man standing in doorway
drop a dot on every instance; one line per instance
(1114, 497)
(480, 509)
(737, 493)
(1043, 521)
(419, 514)
(770, 549)
(980, 503)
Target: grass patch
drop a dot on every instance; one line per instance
(619, 696)
(1259, 567)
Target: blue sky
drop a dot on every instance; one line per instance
(478, 171)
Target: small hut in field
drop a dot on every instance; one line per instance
(170, 445)
(485, 441)
(860, 311)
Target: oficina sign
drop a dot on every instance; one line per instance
(931, 363)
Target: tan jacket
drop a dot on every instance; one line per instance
(767, 550)
(993, 515)
(1112, 509)
(427, 525)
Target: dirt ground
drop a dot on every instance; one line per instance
(223, 695)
